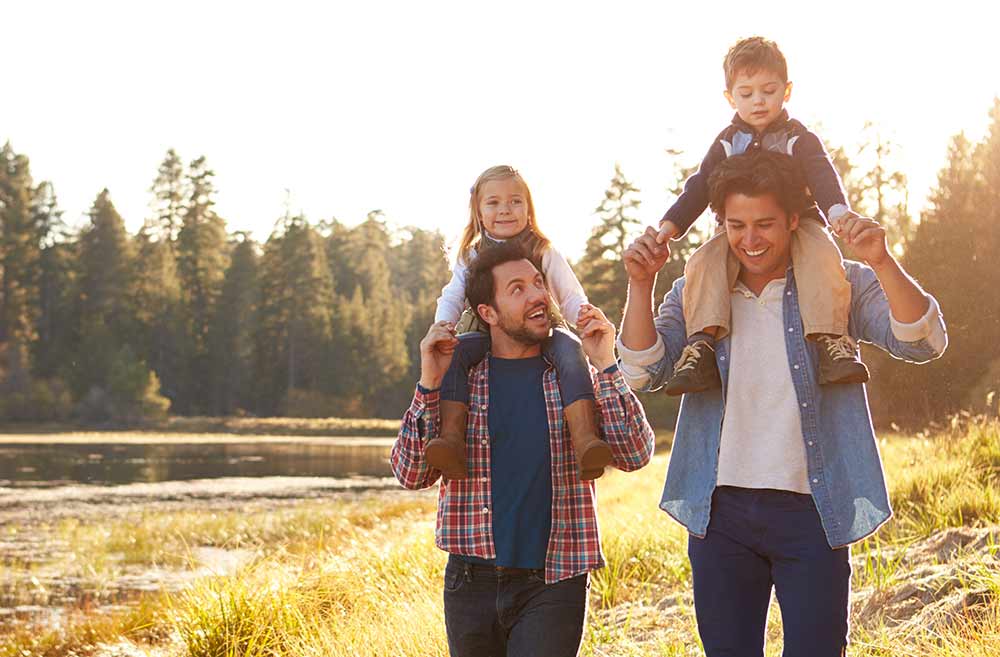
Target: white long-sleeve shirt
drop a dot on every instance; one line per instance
(559, 277)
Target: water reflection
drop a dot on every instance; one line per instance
(44, 465)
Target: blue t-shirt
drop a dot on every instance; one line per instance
(520, 462)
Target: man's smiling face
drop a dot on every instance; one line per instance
(521, 305)
(760, 234)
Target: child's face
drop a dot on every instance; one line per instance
(503, 207)
(758, 98)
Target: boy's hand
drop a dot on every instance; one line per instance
(866, 237)
(645, 257)
(668, 231)
(436, 350)
(597, 334)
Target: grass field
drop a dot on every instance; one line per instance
(362, 577)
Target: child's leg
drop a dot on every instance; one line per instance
(566, 353)
(709, 276)
(825, 303)
(469, 351)
(447, 452)
(577, 390)
(824, 293)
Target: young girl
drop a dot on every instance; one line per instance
(500, 209)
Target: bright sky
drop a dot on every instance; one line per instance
(398, 106)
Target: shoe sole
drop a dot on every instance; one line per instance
(442, 457)
(594, 458)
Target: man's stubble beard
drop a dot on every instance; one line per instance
(522, 334)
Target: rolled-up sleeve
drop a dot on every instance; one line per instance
(623, 421)
(419, 425)
(637, 366)
(930, 327)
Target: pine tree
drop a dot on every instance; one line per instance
(157, 293)
(106, 314)
(233, 330)
(57, 319)
(600, 270)
(170, 191)
(19, 255)
(295, 310)
(202, 258)
(373, 318)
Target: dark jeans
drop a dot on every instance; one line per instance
(562, 348)
(756, 539)
(492, 614)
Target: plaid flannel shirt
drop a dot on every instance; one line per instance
(464, 524)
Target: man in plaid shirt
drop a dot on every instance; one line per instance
(516, 580)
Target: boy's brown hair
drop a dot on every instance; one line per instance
(752, 55)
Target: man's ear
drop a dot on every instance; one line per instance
(788, 91)
(793, 221)
(488, 314)
(729, 97)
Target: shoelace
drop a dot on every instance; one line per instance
(689, 358)
(842, 347)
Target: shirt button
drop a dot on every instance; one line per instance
(810, 444)
(795, 366)
(790, 329)
(483, 406)
(722, 358)
(484, 478)
(486, 509)
(788, 294)
(815, 481)
(483, 442)
(805, 405)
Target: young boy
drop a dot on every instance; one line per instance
(757, 87)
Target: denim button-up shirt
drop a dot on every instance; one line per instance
(845, 471)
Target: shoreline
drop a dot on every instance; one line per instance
(177, 438)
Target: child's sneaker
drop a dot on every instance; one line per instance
(695, 370)
(839, 361)
(447, 452)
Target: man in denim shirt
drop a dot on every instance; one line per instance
(773, 475)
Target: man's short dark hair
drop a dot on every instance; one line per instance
(480, 286)
(756, 174)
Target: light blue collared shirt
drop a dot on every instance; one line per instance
(844, 468)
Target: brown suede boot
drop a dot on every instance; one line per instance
(592, 453)
(447, 452)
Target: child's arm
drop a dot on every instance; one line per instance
(821, 176)
(694, 199)
(563, 284)
(451, 303)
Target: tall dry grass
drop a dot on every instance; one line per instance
(363, 578)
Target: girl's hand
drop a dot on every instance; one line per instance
(597, 334)
(436, 350)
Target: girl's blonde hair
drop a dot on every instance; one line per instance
(472, 236)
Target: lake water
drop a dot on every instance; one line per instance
(56, 464)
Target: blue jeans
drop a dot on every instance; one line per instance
(493, 614)
(562, 348)
(763, 538)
